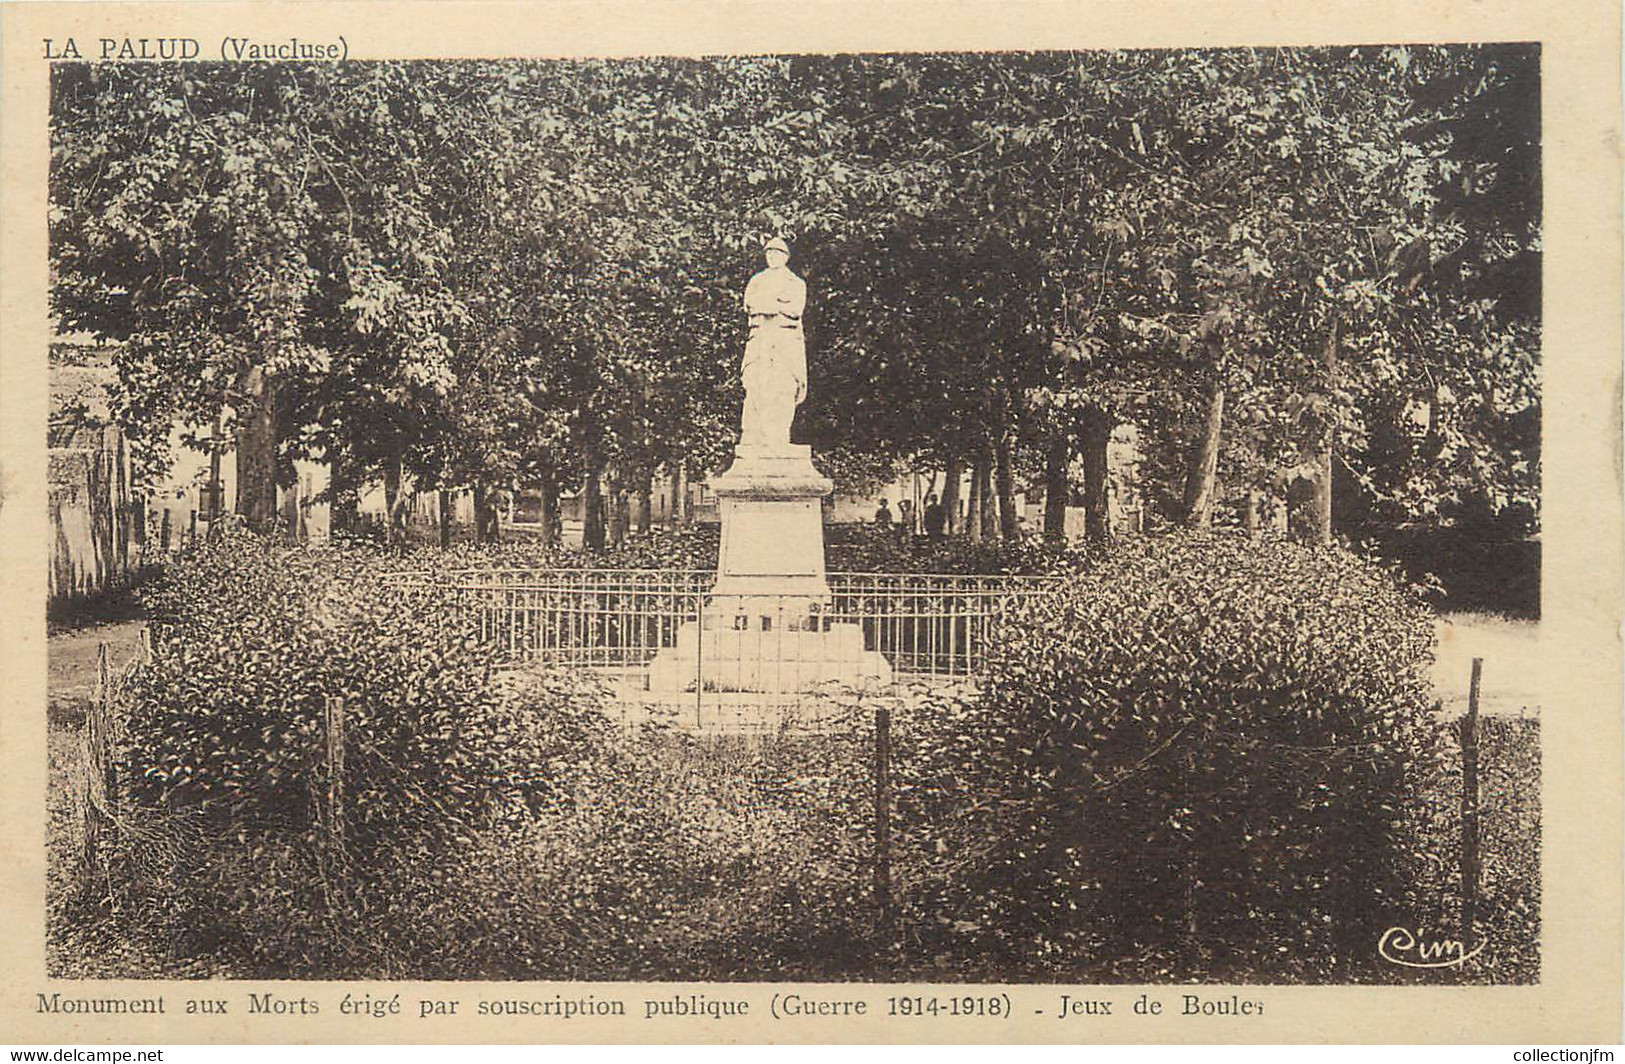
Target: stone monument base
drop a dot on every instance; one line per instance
(741, 645)
(766, 625)
(769, 503)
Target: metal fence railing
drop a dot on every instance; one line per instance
(660, 635)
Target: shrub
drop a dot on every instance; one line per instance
(870, 548)
(226, 739)
(249, 638)
(1509, 911)
(694, 547)
(861, 548)
(1206, 745)
(1482, 567)
(948, 816)
(1189, 762)
(680, 857)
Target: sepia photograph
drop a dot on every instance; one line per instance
(995, 517)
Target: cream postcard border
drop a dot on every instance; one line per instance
(1578, 999)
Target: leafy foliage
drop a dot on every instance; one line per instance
(698, 857)
(1146, 777)
(487, 272)
(251, 638)
(1203, 747)
(869, 548)
(1508, 922)
(1197, 760)
(854, 547)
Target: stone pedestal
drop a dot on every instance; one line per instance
(765, 625)
(769, 501)
(762, 643)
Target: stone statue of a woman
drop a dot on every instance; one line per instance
(775, 365)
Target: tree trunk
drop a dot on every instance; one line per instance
(217, 446)
(592, 508)
(550, 512)
(950, 495)
(482, 505)
(1056, 488)
(679, 492)
(989, 517)
(618, 512)
(1097, 518)
(446, 503)
(493, 519)
(1321, 525)
(341, 494)
(1201, 486)
(293, 523)
(1253, 519)
(1433, 440)
(973, 505)
(487, 520)
(645, 508)
(394, 501)
(256, 450)
(1009, 519)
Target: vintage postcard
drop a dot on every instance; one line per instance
(820, 522)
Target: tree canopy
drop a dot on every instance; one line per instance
(1280, 264)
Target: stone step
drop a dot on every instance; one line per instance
(773, 661)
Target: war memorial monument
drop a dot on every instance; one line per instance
(766, 625)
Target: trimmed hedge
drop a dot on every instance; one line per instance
(860, 548)
(249, 639)
(871, 548)
(225, 765)
(1201, 749)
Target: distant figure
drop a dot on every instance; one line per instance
(905, 517)
(883, 514)
(934, 517)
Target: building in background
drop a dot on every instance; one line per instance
(98, 522)
(105, 523)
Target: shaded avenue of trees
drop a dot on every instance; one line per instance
(1307, 275)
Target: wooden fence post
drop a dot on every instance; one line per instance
(699, 664)
(334, 813)
(1469, 809)
(98, 783)
(883, 899)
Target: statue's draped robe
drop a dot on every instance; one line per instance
(775, 366)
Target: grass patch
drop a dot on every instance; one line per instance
(703, 858)
(1509, 892)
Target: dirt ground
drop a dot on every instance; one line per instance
(1511, 650)
(71, 669)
